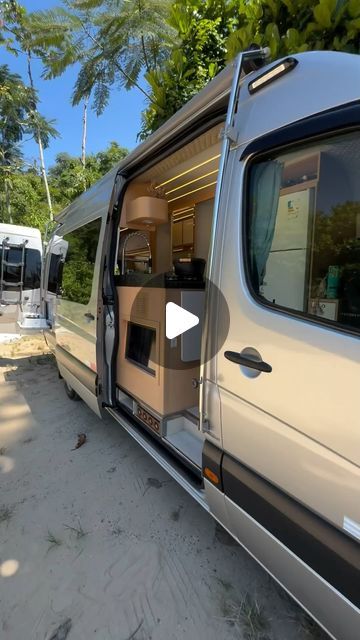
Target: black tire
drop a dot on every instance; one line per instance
(70, 392)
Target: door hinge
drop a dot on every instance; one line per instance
(229, 132)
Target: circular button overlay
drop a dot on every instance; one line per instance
(169, 317)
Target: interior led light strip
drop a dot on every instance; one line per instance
(188, 193)
(177, 212)
(183, 212)
(186, 184)
(184, 173)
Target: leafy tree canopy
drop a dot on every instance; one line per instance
(113, 40)
(212, 32)
(67, 179)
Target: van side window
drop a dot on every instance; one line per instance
(78, 269)
(303, 230)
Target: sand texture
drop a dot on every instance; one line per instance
(100, 543)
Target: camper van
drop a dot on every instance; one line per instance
(20, 273)
(206, 294)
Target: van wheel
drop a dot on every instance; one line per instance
(70, 392)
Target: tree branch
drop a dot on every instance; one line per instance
(143, 41)
(116, 64)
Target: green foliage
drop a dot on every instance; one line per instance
(77, 277)
(335, 236)
(79, 264)
(212, 32)
(15, 105)
(28, 201)
(198, 54)
(292, 26)
(177, 46)
(67, 180)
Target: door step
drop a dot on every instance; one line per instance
(32, 323)
(179, 431)
(183, 434)
(159, 453)
(187, 444)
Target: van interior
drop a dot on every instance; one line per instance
(310, 267)
(164, 239)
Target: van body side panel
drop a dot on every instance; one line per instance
(289, 440)
(84, 374)
(297, 426)
(329, 552)
(296, 429)
(334, 612)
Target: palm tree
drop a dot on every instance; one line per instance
(15, 24)
(15, 99)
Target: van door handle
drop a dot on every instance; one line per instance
(89, 315)
(245, 361)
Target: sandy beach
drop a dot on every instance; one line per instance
(99, 542)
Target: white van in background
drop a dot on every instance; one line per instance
(20, 276)
(254, 410)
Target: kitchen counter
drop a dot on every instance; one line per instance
(157, 280)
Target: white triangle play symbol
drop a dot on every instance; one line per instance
(178, 320)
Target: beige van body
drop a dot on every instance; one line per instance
(257, 414)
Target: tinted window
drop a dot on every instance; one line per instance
(55, 273)
(304, 230)
(32, 269)
(79, 264)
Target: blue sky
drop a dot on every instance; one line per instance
(120, 121)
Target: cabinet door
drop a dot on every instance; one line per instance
(177, 234)
(188, 231)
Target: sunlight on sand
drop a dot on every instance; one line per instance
(7, 338)
(6, 464)
(9, 568)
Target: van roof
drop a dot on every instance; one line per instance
(17, 229)
(18, 233)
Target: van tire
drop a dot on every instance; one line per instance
(70, 392)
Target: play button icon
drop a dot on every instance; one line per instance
(178, 320)
(169, 320)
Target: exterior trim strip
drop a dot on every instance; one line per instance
(329, 552)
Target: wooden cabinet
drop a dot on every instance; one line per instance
(183, 236)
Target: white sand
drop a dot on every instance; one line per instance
(152, 564)
(6, 338)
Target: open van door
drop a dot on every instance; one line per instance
(51, 279)
(71, 301)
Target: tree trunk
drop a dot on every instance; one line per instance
(84, 131)
(40, 145)
(44, 176)
(7, 202)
